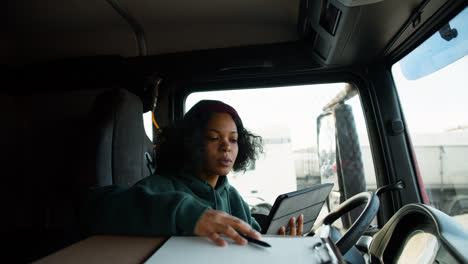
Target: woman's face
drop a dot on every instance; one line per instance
(221, 145)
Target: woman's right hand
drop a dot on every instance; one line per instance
(213, 223)
(293, 230)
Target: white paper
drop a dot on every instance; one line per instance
(283, 250)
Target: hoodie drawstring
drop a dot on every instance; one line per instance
(215, 199)
(228, 200)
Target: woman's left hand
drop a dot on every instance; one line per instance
(293, 230)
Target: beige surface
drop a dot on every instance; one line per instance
(462, 219)
(107, 249)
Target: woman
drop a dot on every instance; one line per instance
(190, 193)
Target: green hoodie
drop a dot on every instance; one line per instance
(161, 206)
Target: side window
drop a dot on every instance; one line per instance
(148, 124)
(286, 118)
(432, 86)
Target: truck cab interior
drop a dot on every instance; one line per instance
(367, 94)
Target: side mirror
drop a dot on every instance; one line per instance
(326, 147)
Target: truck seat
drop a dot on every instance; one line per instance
(54, 146)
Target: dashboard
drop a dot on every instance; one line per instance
(418, 233)
(420, 246)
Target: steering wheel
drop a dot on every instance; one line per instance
(361, 224)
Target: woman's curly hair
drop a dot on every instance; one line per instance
(180, 148)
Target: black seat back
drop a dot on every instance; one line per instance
(120, 139)
(54, 145)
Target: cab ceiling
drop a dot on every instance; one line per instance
(56, 28)
(49, 29)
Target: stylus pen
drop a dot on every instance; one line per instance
(255, 241)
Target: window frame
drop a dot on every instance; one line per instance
(362, 77)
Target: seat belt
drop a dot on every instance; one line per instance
(150, 162)
(157, 82)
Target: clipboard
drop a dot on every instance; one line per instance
(284, 249)
(308, 201)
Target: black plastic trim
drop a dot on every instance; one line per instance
(134, 24)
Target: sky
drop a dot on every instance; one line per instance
(437, 102)
(278, 112)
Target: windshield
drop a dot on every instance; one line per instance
(436, 115)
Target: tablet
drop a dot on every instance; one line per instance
(307, 201)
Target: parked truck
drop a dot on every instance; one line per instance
(442, 166)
